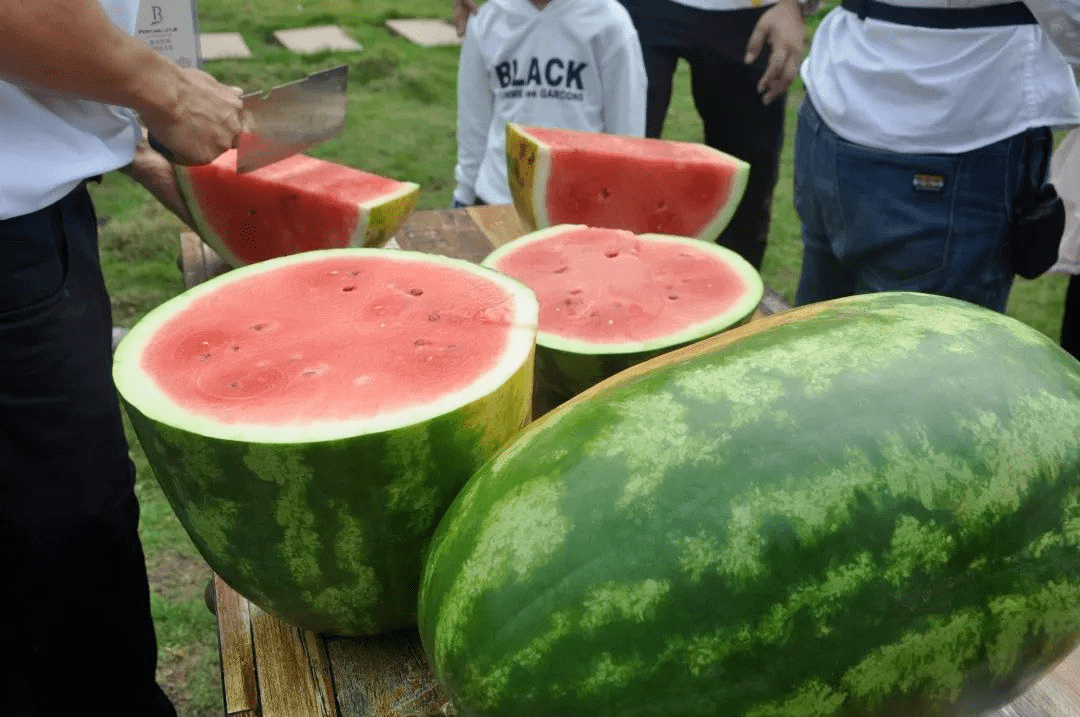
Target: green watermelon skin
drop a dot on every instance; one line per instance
(331, 533)
(868, 507)
(561, 375)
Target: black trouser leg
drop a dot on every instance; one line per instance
(1070, 324)
(739, 123)
(77, 619)
(660, 63)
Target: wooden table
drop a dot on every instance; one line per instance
(271, 669)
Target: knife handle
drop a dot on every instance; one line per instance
(161, 149)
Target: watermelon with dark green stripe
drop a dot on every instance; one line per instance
(310, 418)
(862, 508)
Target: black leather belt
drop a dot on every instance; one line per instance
(943, 18)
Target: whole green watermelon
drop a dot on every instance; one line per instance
(863, 508)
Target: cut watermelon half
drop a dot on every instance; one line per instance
(610, 299)
(560, 176)
(310, 417)
(298, 204)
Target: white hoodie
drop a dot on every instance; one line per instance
(576, 64)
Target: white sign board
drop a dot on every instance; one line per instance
(172, 28)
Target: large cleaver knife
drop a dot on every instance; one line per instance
(290, 118)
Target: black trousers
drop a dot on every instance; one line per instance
(724, 88)
(76, 622)
(1070, 324)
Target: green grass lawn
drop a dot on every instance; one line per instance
(401, 123)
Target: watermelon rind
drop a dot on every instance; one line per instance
(864, 507)
(529, 170)
(567, 366)
(381, 219)
(324, 523)
(377, 220)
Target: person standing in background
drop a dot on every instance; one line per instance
(76, 619)
(568, 64)
(923, 125)
(739, 88)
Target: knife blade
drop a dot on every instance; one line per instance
(290, 118)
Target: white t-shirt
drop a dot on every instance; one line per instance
(921, 90)
(50, 142)
(576, 64)
(724, 4)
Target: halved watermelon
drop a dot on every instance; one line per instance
(295, 205)
(610, 299)
(310, 417)
(560, 176)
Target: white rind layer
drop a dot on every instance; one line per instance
(364, 209)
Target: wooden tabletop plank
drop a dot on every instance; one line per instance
(294, 679)
(237, 651)
(449, 232)
(499, 223)
(1055, 695)
(384, 676)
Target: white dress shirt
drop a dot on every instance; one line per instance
(50, 142)
(921, 90)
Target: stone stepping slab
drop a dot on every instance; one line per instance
(222, 46)
(427, 33)
(316, 39)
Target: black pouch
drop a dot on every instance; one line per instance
(1038, 217)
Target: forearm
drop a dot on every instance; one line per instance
(156, 175)
(71, 46)
(1060, 20)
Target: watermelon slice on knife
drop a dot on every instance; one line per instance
(298, 204)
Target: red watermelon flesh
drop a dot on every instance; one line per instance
(334, 339)
(609, 290)
(298, 204)
(560, 176)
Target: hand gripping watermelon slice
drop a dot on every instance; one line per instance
(295, 205)
(610, 299)
(560, 176)
(310, 417)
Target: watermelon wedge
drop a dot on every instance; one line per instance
(310, 417)
(610, 299)
(560, 176)
(295, 205)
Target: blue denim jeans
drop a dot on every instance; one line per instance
(875, 220)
